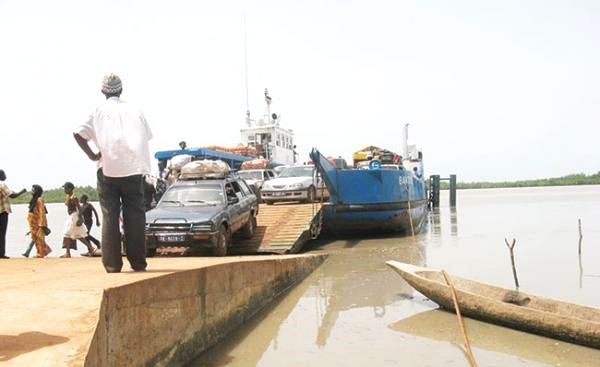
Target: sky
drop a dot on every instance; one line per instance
(491, 90)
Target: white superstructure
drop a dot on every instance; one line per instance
(271, 141)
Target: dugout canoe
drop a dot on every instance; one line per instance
(518, 310)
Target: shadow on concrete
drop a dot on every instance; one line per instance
(154, 271)
(12, 346)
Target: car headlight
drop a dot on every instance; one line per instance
(203, 227)
(296, 186)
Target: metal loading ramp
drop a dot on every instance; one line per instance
(281, 228)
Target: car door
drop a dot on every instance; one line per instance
(248, 202)
(233, 207)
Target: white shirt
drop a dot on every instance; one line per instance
(121, 133)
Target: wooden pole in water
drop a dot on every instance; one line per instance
(580, 236)
(512, 260)
(580, 263)
(434, 181)
(461, 323)
(452, 191)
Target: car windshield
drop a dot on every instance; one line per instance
(297, 172)
(251, 175)
(207, 194)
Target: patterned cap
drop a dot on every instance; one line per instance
(111, 84)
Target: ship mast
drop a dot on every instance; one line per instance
(248, 120)
(268, 107)
(405, 141)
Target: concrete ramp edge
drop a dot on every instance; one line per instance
(169, 320)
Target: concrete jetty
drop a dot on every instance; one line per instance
(69, 312)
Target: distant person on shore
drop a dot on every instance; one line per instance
(74, 229)
(87, 209)
(5, 195)
(120, 132)
(38, 222)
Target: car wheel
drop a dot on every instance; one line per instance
(150, 252)
(250, 227)
(222, 242)
(311, 195)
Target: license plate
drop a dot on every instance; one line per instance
(278, 193)
(174, 238)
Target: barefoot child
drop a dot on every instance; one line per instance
(74, 228)
(87, 209)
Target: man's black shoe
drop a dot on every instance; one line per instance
(4, 257)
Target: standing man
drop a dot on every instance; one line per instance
(121, 133)
(5, 196)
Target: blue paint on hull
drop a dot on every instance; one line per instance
(337, 219)
(371, 200)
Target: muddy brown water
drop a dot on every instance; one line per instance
(354, 311)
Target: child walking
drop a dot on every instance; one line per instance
(74, 229)
(87, 209)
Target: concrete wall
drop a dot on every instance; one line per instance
(168, 320)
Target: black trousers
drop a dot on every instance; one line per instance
(3, 227)
(89, 237)
(126, 193)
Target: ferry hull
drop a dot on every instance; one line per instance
(374, 218)
(373, 200)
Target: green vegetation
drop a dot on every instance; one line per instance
(58, 195)
(569, 180)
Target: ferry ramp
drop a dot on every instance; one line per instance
(282, 228)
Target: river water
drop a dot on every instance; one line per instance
(354, 311)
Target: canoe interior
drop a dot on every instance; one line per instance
(522, 299)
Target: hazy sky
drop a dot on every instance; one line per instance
(493, 90)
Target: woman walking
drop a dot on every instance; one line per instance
(38, 223)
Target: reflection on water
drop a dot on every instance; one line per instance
(438, 325)
(350, 281)
(355, 311)
(453, 221)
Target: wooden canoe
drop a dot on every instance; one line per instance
(556, 319)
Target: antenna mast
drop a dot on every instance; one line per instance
(248, 121)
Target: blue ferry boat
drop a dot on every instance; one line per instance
(381, 198)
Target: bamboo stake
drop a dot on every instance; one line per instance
(467, 347)
(580, 263)
(580, 236)
(512, 260)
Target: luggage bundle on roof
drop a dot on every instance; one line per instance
(258, 163)
(205, 168)
(240, 149)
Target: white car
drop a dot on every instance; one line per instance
(296, 183)
(255, 178)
